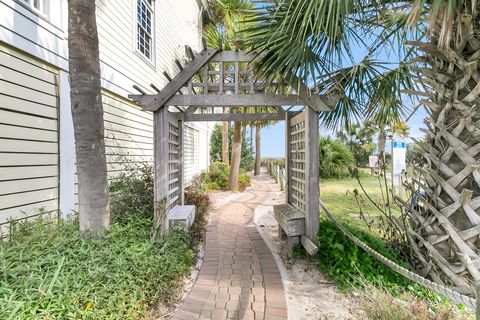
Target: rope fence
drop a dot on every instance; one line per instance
(452, 295)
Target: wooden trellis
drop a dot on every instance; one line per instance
(222, 86)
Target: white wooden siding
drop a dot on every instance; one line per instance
(128, 133)
(189, 154)
(28, 136)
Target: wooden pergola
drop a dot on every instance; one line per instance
(222, 86)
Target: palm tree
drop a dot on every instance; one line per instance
(310, 38)
(87, 114)
(226, 31)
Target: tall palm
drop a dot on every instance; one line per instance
(87, 114)
(308, 38)
(226, 31)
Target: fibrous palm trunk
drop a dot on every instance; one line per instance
(446, 225)
(87, 113)
(236, 155)
(257, 148)
(225, 155)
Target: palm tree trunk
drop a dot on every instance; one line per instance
(382, 140)
(257, 148)
(444, 225)
(225, 155)
(251, 138)
(87, 113)
(236, 154)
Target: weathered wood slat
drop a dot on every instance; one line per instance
(233, 117)
(240, 100)
(290, 219)
(154, 102)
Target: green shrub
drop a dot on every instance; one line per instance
(52, 272)
(344, 262)
(132, 193)
(335, 159)
(202, 204)
(216, 178)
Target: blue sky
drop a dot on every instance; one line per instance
(273, 138)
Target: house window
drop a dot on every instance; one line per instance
(144, 28)
(40, 6)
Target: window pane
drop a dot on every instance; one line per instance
(144, 27)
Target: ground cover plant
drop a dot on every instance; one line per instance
(52, 272)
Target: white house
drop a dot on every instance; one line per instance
(139, 41)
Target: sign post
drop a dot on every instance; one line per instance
(399, 166)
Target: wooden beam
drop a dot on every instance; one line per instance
(310, 98)
(234, 117)
(232, 56)
(312, 183)
(154, 102)
(237, 100)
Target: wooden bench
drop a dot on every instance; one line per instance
(291, 225)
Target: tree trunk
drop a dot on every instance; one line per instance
(382, 140)
(257, 148)
(446, 225)
(225, 155)
(236, 154)
(251, 138)
(87, 113)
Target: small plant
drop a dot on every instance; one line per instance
(132, 193)
(202, 204)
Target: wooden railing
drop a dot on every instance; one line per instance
(278, 173)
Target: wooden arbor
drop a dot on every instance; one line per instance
(221, 86)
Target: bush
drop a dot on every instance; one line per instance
(335, 159)
(52, 272)
(216, 178)
(344, 262)
(202, 204)
(132, 193)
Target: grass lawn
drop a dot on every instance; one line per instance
(338, 197)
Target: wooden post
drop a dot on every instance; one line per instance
(288, 155)
(312, 187)
(161, 170)
(181, 137)
(161, 153)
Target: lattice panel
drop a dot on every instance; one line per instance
(173, 165)
(297, 164)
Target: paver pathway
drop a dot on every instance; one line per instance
(239, 278)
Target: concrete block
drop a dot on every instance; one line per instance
(181, 217)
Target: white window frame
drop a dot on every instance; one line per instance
(150, 5)
(44, 6)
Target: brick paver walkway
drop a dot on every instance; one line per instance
(239, 278)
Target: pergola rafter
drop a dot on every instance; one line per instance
(226, 78)
(222, 86)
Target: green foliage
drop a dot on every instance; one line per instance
(216, 178)
(344, 262)
(247, 159)
(359, 140)
(133, 193)
(53, 272)
(202, 204)
(335, 159)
